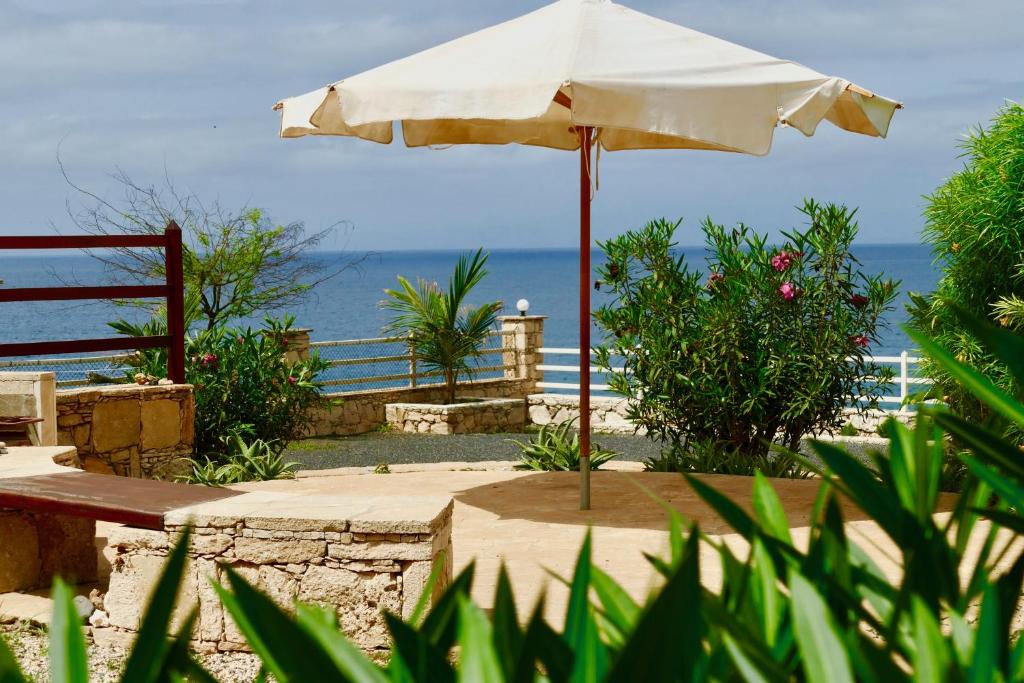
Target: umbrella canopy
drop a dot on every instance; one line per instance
(641, 82)
(579, 73)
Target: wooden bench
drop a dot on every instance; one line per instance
(48, 520)
(135, 502)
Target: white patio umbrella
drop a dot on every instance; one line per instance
(579, 73)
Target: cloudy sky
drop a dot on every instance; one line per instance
(187, 86)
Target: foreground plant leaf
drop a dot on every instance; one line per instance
(68, 663)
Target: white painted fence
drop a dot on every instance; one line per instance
(903, 379)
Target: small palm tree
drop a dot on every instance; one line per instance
(444, 333)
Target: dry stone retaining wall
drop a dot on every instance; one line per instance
(607, 414)
(131, 431)
(478, 417)
(358, 568)
(364, 411)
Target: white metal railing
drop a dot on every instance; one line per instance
(904, 379)
(411, 376)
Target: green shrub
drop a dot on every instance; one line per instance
(770, 347)
(556, 448)
(975, 227)
(818, 610)
(710, 458)
(848, 430)
(256, 461)
(444, 333)
(245, 387)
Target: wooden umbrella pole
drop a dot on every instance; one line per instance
(586, 134)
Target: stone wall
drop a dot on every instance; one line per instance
(359, 412)
(485, 416)
(357, 567)
(607, 414)
(129, 430)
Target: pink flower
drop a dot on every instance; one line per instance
(292, 380)
(860, 340)
(859, 300)
(788, 291)
(209, 359)
(782, 261)
(714, 279)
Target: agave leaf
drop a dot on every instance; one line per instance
(987, 445)
(439, 626)
(68, 663)
(666, 644)
(10, 672)
(479, 659)
(147, 654)
(508, 638)
(1006, 489)
(972, 380)
(768, 509)
(732, 513)
(590, 661)
(930, 656)
(985, 655)
(542, 643)
(1000, 342)
(619, 608)
(428, 590)
(413, 656)
(349, 659)
(286, 649)
(822, 650)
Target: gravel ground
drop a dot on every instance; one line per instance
(30, 645)
(400, 449)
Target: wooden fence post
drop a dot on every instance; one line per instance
(175, 304)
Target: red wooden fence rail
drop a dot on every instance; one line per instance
(173, 290)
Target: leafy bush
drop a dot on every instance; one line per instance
(710, 458)
(770, 347)
(556, 448)
(245, 387)
(444, 333)
(818, 610)
(975, 227)
(256, 461)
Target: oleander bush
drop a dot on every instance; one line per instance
(975, 227)
(818, 610)
(245, 388)
(766, 344)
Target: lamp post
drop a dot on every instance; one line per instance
(522, 306)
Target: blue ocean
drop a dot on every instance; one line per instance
(347, 306)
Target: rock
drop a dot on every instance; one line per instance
(96, 598)
(99, 619)
(83, 606)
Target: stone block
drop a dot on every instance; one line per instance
(359, 599)
(161, 424)
(380, 550)
(67, 548)
(19, 553)
(116, 424)
(131, 584)
(266, 551)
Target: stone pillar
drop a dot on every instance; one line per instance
(298, 344)
(522, 336)
(32, 394)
